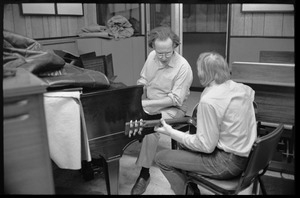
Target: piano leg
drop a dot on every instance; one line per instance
(112, 168)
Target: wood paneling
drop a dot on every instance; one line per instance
(205, 18)
(265, 24)
(8, 14)
(276, 57)
(41, 26)
(18, 24)
(288, 25)
(37, 27)
(258, 24)
(201, 17)
(264, 73)
(273, 25)
(237, 20)
(210, 20)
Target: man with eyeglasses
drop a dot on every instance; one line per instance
(167, 77)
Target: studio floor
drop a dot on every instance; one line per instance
(72, 182)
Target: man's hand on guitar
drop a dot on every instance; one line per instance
(135, 127)
(163, 128)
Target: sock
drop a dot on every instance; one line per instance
(145, 173)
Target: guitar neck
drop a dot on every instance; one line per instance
(153, 123)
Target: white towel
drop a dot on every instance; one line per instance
(68, 143)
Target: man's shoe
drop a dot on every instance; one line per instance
(193, 190)
(140, 186)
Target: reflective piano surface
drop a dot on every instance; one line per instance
(106, 112)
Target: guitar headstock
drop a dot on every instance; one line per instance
(133, 127)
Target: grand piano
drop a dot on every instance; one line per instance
(105, 113)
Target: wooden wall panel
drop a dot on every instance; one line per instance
(217, 18)
(64, 26)
(18, 24)
(258, 21)
(42, 26)
(237, 20)
(273, 24)
(52, 26)
(248, 24)
(265, 24)
(58, 26)
(264, 73)
(8, 14)
(210, 18)
(72, 25)
(201, 16)
(28, 28)
(192, 20)
(206, 18)
(37, 27)
(288, 25)
(223, 25)
(46, 27)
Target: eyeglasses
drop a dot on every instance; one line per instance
(167, 55)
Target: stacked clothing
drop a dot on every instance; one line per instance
(117, 27)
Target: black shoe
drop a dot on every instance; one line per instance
(193, 190)
(140, 186)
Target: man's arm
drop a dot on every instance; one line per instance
(162, 103)
(157, 104)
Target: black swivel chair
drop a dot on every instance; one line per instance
(259, 160)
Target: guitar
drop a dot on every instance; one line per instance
(131, 126)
